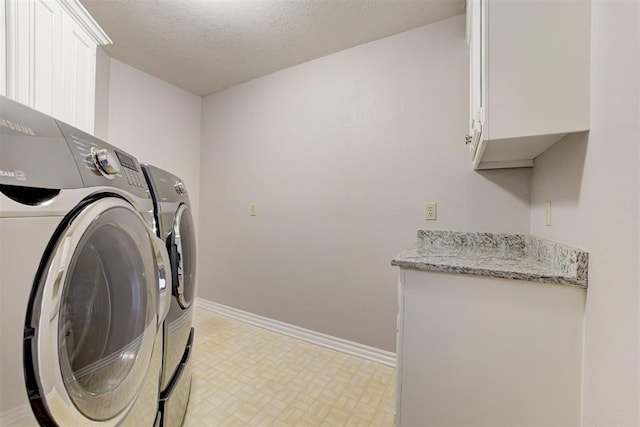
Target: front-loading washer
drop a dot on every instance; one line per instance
(175, 227)
(84, 280)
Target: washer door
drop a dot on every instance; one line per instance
(182, 249)
(94, 317)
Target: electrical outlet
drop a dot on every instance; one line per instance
(431, 211)
(547, 215)
(254, 210)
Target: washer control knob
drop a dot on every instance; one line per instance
(180, 188)
(106, 161)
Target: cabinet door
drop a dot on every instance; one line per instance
(18, 45)
(486, 351)
(3, 49)
(18, 67)
(538, 67)
(476, 73)
(50, 61)
(79, 54)
(33, 42)
(46, 62)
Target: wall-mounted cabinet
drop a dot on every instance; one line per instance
(3, 50)
(529, 77)
(50, 58)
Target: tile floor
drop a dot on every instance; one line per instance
(248, 376)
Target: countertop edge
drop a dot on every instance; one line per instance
(501, 274)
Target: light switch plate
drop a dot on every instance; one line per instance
(547, 214)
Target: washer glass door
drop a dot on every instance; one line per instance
(99, 314)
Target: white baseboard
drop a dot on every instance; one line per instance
(384, 357)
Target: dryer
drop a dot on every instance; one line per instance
(175, 227)
(84, 280)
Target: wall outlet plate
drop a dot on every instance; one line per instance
(431, 211)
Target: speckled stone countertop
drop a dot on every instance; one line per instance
(508, 256)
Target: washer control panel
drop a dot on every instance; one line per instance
(99, 161)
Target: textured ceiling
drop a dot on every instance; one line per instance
(207, 45)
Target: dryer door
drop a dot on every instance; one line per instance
(182, 249)
(94, 317)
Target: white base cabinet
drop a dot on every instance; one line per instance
(481, 351)
(50, 58)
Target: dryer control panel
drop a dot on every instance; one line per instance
(102, 164)
(165, 186)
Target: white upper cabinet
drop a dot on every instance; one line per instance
(50, 58)
(3, 49)
(529, 77)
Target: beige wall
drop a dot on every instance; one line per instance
(103, 78)
(156, 122)
(593, 183)
(340, 155)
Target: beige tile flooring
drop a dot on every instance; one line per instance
(248, 376)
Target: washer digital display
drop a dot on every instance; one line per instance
(126, 161)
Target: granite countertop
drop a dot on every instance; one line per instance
(509, 256)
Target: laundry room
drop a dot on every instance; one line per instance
(320, 212)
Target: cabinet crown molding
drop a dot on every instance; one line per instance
(85, 20)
